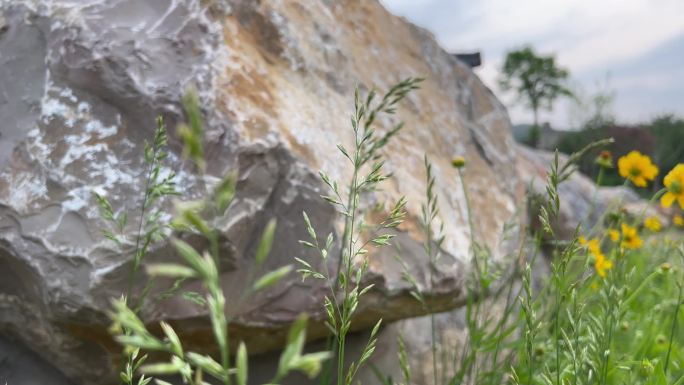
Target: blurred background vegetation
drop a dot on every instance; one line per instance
(538, 82)
(662, 139)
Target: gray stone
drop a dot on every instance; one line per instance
(20, 366)
(81, 83)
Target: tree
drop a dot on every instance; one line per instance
(534, 136)
(536, 79)
(669, 136)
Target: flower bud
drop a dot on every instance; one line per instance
(605, 159)
(646, 368)
(458, 162)
(665, 267)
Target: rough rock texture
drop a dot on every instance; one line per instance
(82, 81)
(19, 365)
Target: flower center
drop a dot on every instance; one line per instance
(635, 171)
(675, 187)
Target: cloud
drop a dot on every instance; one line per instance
(589, 37)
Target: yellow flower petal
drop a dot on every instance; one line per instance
(667, 199)
(653, 224)
(678, 220)
(614, 235)
(639, 181)
(674, 182)
(630, 237)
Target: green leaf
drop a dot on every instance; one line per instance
(170, 270)
(191, 256)
(376, 328)
(106, 210)
(144, 380)
(193, 218)
(207, 364)
(297, 329)
(162, 368)
(310, 364)
(148, 153)
(127, 318)
(194, 297)
(173, 339)
(225, 192)
(303, 262)
(192, 132)
(139, 341)
(309, 228)
(658, 376)
(271, 278)
(241, 364)
(266, 242)
(295, 343)
(344, 152)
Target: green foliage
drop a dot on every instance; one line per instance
(200, 265)
(577, 327)
(191, 132)
(537, 80)
(585, 328)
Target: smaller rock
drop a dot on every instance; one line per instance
(582, 202)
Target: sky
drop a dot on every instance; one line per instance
(633, 49)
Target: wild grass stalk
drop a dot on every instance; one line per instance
(347, 288)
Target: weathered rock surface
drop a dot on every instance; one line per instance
(19, 365)
(82, 82)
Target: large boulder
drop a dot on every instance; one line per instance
(82, 84)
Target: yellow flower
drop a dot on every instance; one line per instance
(594, 247)
(638, 168)
(674, 182)
(678, 220)
(602, 265)
(614, 235)
(582, 240)
(630, 238)
(653, 224)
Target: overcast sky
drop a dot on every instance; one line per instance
(636, 47)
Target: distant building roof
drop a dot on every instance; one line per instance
(472, 59)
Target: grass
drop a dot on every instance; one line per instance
(609, 313)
